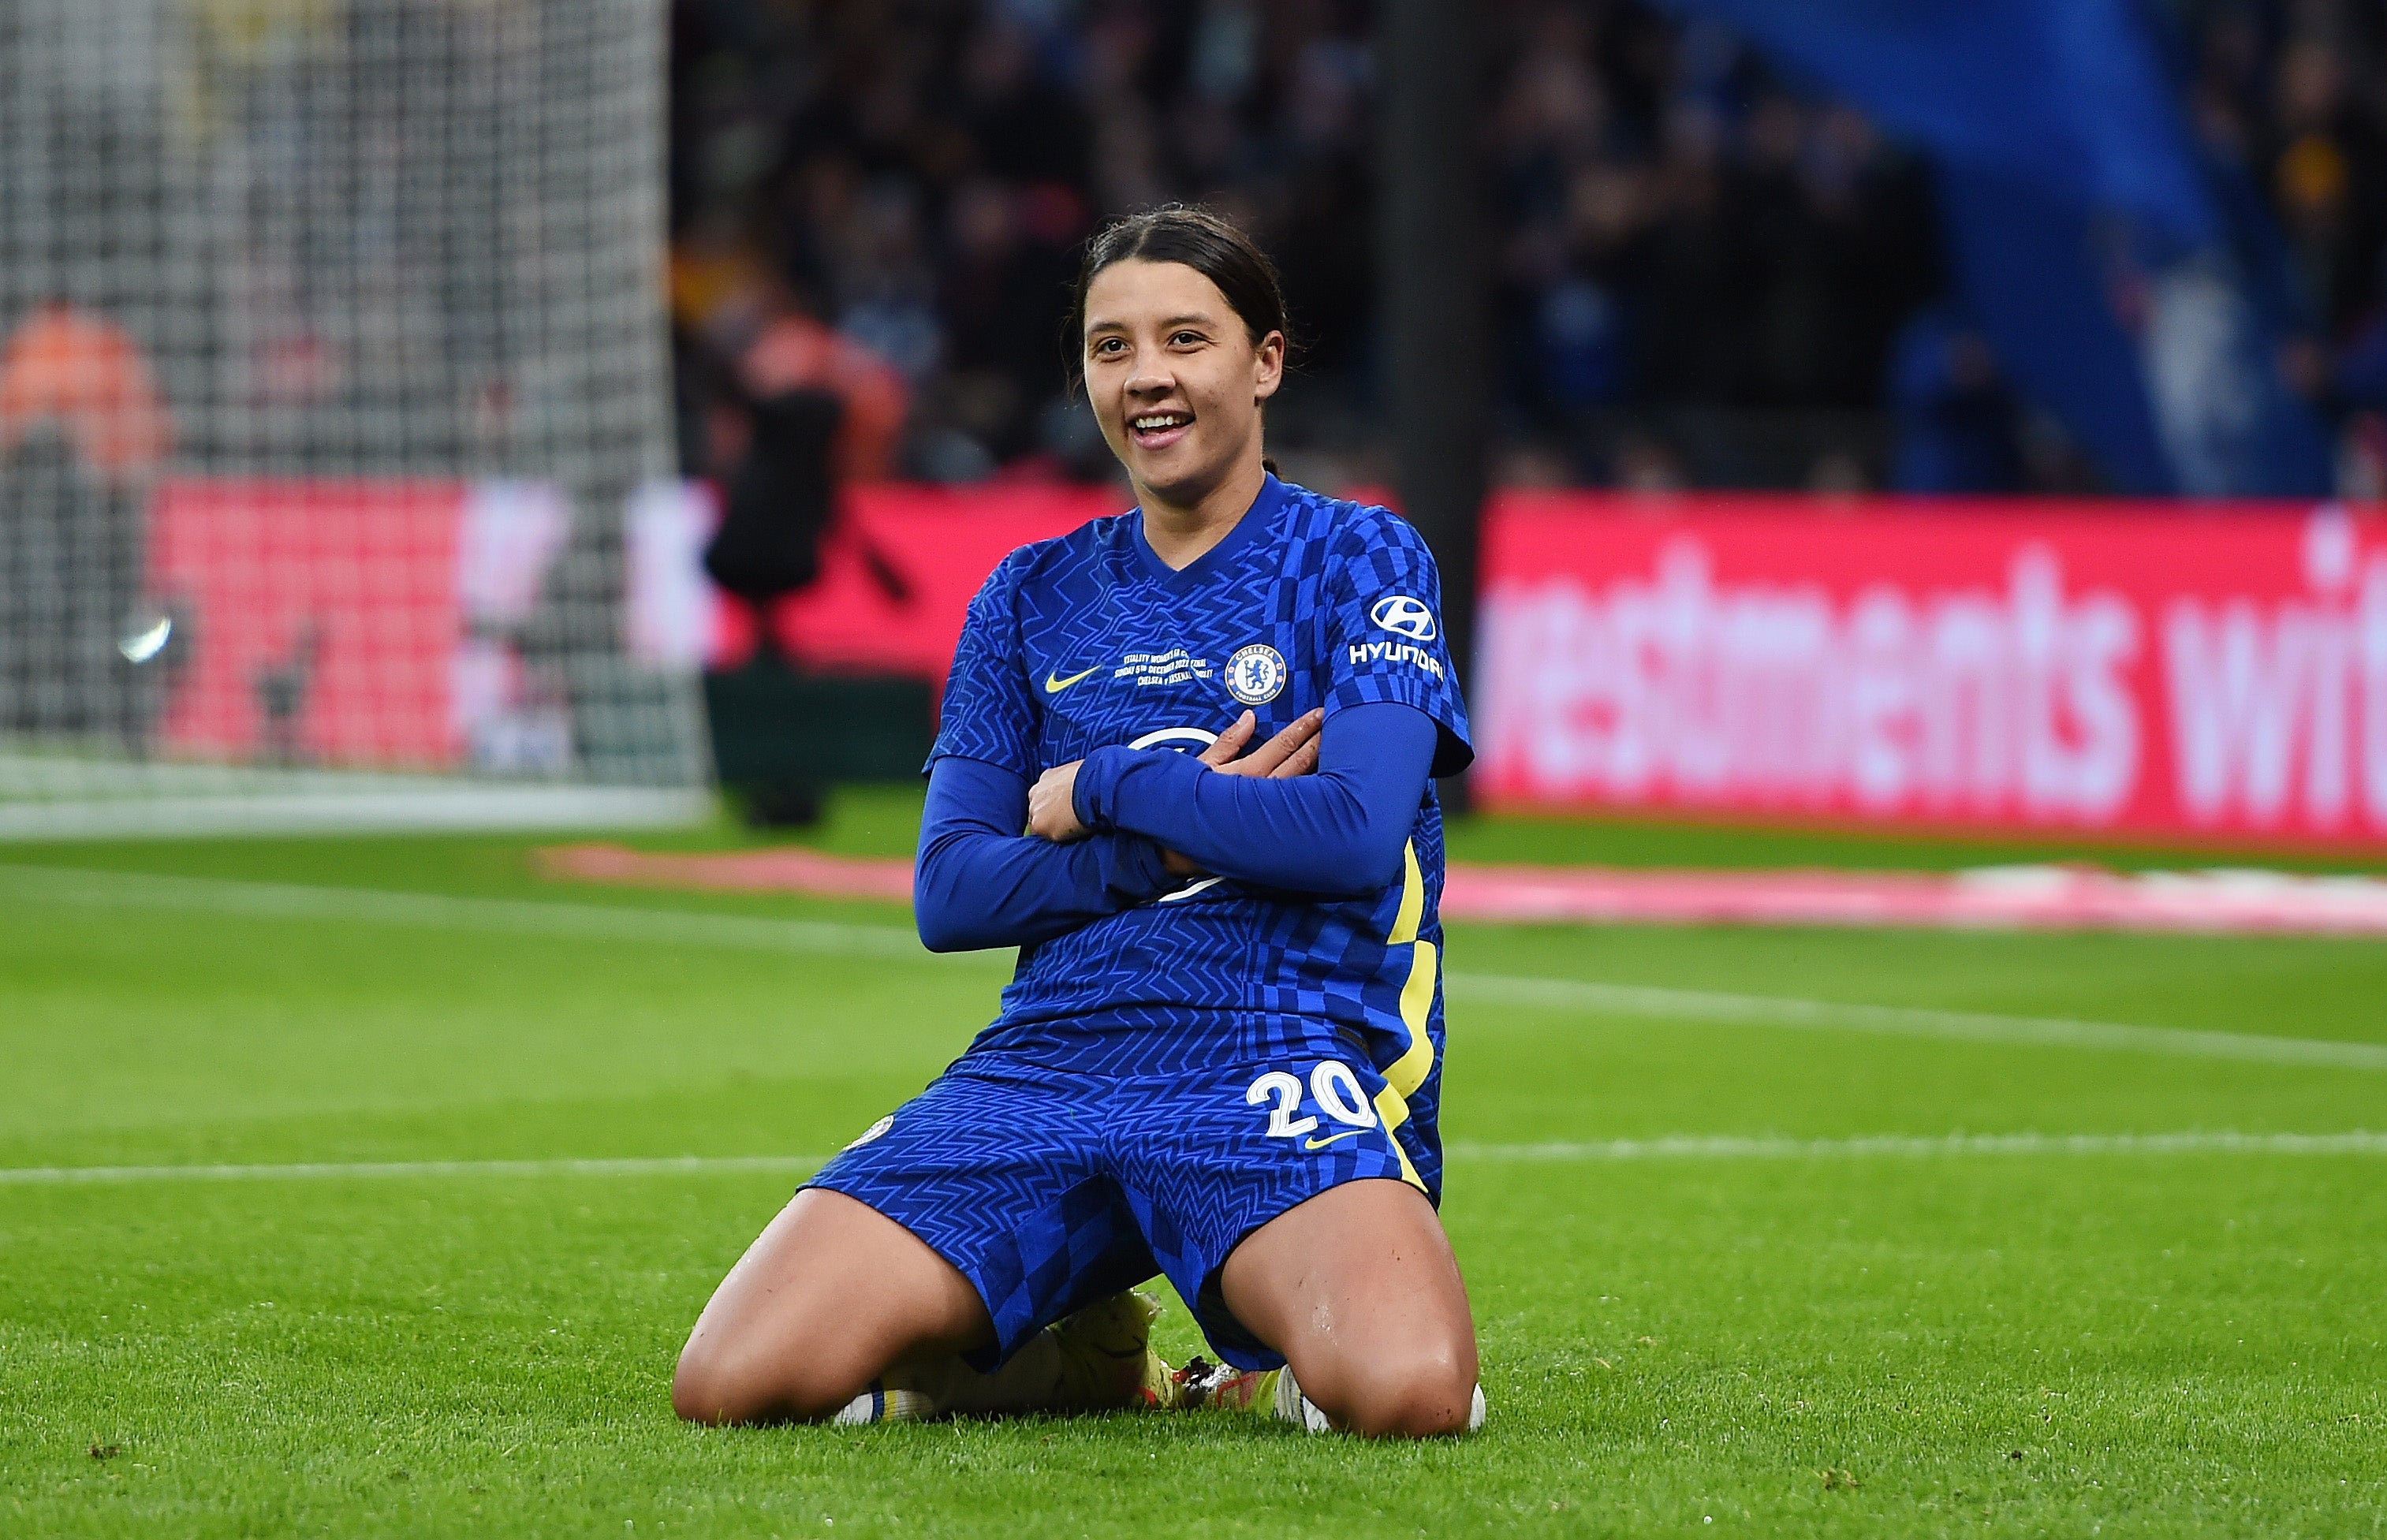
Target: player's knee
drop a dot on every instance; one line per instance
(716, 1386)
(1423, 1393)
(1429, 1403)
(707, 1387)
(700, 1390)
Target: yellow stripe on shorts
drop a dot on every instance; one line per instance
(1409, 1071)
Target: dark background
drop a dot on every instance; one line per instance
(1705, 273)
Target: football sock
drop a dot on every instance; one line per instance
(1106, 1360)
(1269, 1393)
(1099, 1359)
(1205, 1384)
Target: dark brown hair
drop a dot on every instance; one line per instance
(1204, 240)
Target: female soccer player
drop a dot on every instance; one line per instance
(1219, 1056)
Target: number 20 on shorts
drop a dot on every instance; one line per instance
(1331, 1086)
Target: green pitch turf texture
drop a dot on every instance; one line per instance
(1800, 1336)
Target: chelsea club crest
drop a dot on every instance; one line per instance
(1256, 674)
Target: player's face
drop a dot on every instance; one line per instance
(1174, 376)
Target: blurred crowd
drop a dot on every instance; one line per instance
(2292, 100)
(1704, 272)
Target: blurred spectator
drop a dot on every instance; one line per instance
(1677, 226)
(82, 431)
(791, 351)
(2293, 97)
(85, 374)
(1957, 422)
(1010, 258)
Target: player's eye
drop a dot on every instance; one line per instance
(1108, 347)
(1186, 339)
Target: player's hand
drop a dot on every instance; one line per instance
(1227, 745)
(1293, 752)
(1052, 805)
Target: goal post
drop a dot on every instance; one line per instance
(331, 354)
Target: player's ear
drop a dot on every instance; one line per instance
(1267, 366)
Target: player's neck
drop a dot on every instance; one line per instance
(1182, 533)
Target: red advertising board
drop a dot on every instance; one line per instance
(898, 573)
(329, 605)
(2159, 671)
(356, 622)
(2144, 670)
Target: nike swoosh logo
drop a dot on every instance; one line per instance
(1055, 684)
(1321, 1144)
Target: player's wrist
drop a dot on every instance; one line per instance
(1093, 797)
(1136, 870)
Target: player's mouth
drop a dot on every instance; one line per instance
(1158, 430)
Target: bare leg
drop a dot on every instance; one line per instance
(1358, 1288)
(829, 1297)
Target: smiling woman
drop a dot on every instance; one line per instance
(1220, 1058)
(1184, 332)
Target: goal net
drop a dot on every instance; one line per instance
(331, 355)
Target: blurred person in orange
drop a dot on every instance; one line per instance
(753, 320)
(66, 365)
(793, 350)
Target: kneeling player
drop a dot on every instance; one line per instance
(1220, 1058)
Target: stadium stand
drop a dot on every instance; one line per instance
(1709, 273)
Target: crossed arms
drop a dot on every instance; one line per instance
(1322, 809)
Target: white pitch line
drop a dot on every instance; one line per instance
(442, 912)
(1733, 1147)
(335, 1170)
(389, 807)
(1907, 1021)
(1669, 1147)
(692, 928)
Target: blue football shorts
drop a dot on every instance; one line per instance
(1051, 1190)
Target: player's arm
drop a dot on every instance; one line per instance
(977, 883)
(1338, 832)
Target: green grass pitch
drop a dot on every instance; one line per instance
(1760, 1329)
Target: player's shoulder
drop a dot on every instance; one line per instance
(1058, 558)
(1347, 524)
(1343, 530)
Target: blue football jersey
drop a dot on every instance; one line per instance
(1091, 640)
